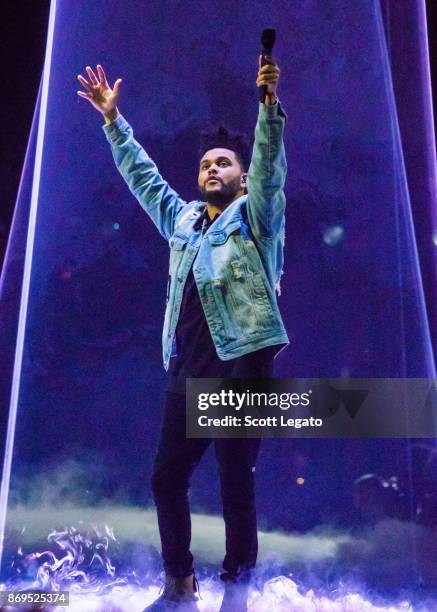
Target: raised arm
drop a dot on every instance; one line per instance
(268, 167)
(154, 194)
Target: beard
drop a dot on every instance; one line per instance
(221, 195)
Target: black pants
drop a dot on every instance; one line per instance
(176, 459)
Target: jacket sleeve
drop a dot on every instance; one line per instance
(155, 195)
(267, 172)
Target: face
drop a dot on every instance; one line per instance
(221, 179)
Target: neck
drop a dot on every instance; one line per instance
(213, 209)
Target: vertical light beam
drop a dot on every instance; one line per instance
(18, 359)
(404, 200)
(428, 111)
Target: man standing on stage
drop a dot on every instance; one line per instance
(221, 319)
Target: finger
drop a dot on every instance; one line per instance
(102, 76)
(259, 60)
(268, 79)
(92, 77)
(116, 88)
(84, 94)
(270, 68)
(83, 82)
(266, 84)
(269, 72)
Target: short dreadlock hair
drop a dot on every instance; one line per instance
(223, 138)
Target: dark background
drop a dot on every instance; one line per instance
(22, 43)
(23, 38)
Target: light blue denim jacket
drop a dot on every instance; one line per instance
(238, 261)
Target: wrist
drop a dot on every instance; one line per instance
(111, 115)
(270, 99)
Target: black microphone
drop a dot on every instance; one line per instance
(268, 38)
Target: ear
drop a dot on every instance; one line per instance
(243, 183)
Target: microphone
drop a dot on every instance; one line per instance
(268, 38)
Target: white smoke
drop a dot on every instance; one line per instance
(388, 555)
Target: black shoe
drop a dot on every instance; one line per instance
(179, 594)
(235, 597)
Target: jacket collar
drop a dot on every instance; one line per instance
(229, 214)
(204, 217)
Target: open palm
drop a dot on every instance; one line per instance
(98, 92)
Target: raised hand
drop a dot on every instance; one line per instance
(268, 75)
(102, 97)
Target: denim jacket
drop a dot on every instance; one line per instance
(238, 260)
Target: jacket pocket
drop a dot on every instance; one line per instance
(177, 243)
(222, 324)
(218, 237)
(251, 307)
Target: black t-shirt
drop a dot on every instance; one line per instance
(196, 353)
